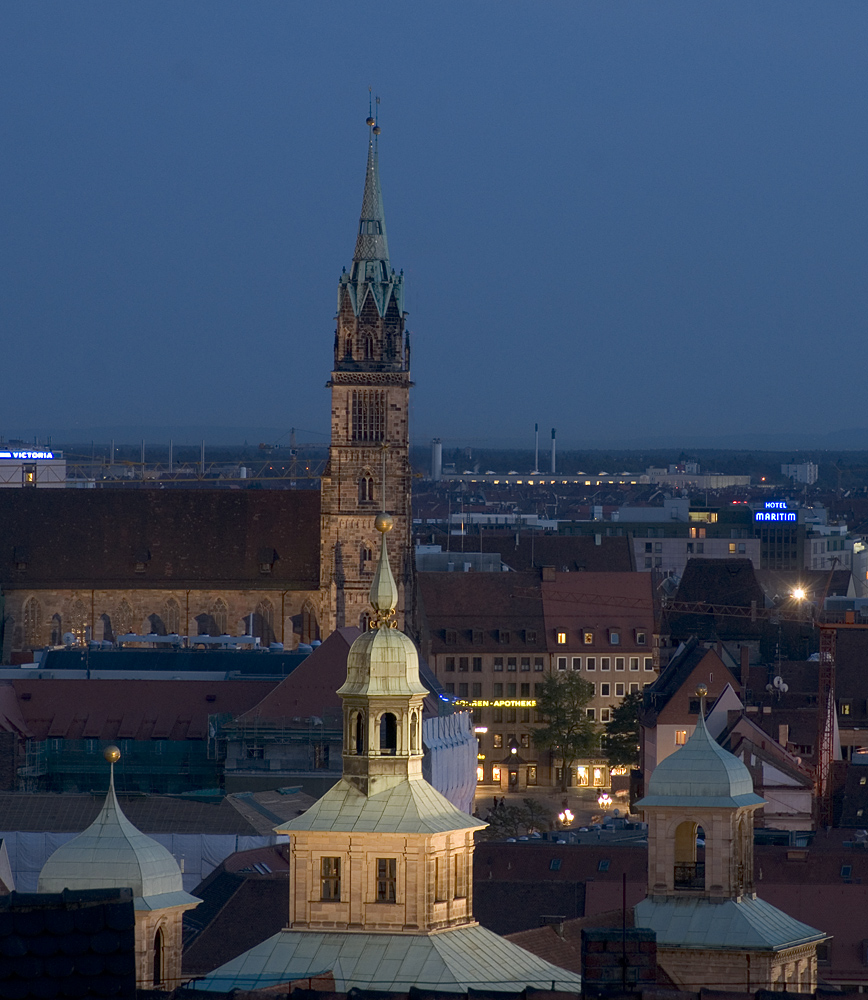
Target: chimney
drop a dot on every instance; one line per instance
(553, 451)
(548, 574)
(745, 668)
(783, 734)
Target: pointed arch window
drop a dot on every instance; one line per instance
(263, 621)
(689, 866)
(172, 616)
(369, 415)
(364, 621)
(124, 618)
(219, 616)
(366, 488)
(309, 625)
(368, 346)
(32, 623)
(366, 558)
(360, 733)
(78, 622)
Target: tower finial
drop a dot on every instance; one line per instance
(384, 590)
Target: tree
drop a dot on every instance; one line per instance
(621, 737)
(567, 732)
(516, 821)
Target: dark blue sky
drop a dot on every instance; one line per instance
(633, 221)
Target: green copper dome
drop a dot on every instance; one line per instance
(701, 773)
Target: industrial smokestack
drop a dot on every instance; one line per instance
(436, 460)
(202, 460)
(535, 449)
(553, 451)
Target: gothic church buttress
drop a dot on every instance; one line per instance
(370, 387)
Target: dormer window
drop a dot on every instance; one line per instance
(477, 637)
(562, 638)
(588, 637)
(451, 637)
(266, 558)
(641, 638)
(142, 558)
(504, 637)
(614, 637)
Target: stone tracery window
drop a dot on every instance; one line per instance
(219, 615)
(366, 488)
(78, 621)
(172, 616)
(369, 415)
(32, 623)
(123, 618)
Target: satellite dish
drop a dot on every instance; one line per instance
(770, 688)
(784, 688)
(778, 681)
(68, 639)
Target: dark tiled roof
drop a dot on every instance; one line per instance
(487, 602)
(311, 688)
(507, 907)
(600, 602)
(85, 538)
(854, 810)
(49, 812)
(717, 581)
(130, 709)
(573, 553)
(531, 862)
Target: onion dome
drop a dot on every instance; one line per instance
(701, 773)
(111, 854)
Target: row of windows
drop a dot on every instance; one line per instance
(614, 636)
(513, 663)
(387, 879)
(605, 662)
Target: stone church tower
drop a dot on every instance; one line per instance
(368, 470)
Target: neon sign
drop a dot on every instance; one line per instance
(28, 456)
(776, 510)
(496, 703)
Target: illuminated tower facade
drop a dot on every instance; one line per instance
(368, 468)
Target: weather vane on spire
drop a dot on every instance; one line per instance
(371, 121)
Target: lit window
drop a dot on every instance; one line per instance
(599, 777)
(845, 708)
(732, 548)
(615, 638)
(330, 880)
(562, 663)
(577, 663)
(525, 740)
(588, 638)
(498, 741)
(581, 775)
(562, 638)
(495, 774)
(680, 737)
(386, 879)
(480, 773)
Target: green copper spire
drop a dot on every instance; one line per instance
(372, 243)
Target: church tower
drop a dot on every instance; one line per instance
(368, 468)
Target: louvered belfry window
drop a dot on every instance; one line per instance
(369, 415)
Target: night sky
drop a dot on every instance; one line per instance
(637, 222)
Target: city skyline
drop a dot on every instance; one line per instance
(635, 224)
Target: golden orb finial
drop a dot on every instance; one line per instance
(376, 130)
(701, 690)
(369, 121)
(112, 754)
(384, 522)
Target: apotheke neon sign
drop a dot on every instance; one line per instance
(27, 456)
(776, 510)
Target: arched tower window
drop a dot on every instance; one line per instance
(348, 347)
(388, 734)
(414, 733)
(57, 629)
(32, 623)
(172, 616)
(360, 733)
(366, 558)
(366, 489)
(158, 957)
(368, 346)
(364, 621)
(689, 865)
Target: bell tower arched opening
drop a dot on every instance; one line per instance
(388, 734)
(689, 870)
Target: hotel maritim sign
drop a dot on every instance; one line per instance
(776, 510)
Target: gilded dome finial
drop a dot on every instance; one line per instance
(384, 590)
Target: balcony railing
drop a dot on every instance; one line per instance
(690, 876)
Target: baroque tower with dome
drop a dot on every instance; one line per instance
(381, 867)
(712, 929)
(112, 854)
